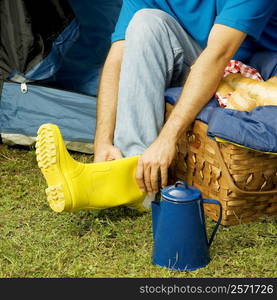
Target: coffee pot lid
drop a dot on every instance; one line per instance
(180, 192)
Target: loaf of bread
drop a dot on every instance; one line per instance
(273, 80)
(245, 93)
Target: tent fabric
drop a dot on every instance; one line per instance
(13, 139)
(82, 64)
(58, 47)
(23, 113)
(52, 63)
(64, 42)
(28, 30)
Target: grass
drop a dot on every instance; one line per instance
(36, 242)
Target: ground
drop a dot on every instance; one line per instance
(37, 242)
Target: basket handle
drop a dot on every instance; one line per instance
(230, 179)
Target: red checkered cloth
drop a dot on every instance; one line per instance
(236, 66)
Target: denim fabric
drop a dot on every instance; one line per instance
(158, 55)
(266, 63)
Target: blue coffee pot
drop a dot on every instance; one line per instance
(179, 231)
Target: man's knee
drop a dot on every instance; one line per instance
(146, 22)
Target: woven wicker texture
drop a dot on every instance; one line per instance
(243, 180)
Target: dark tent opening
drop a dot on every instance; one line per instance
(51, 55)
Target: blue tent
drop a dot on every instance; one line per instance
(52, 75)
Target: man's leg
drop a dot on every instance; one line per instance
(158, 54)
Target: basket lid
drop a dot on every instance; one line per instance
(180, 192)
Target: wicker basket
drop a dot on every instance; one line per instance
(243, 180)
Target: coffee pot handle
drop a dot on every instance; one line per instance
(210, 201)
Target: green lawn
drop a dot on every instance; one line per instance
(36, 242)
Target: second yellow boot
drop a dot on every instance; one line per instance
(74, 186)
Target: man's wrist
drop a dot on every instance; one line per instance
(102, 143)
(103, 139)
(173, 129)
(168, 136)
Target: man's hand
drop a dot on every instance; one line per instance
(107, 153)
(152, 169)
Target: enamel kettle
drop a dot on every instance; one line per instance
(179, 231)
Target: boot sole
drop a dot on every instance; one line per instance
(48, 157)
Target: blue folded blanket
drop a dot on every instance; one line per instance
(256, 129)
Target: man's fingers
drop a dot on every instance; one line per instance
(108, 154)
(155, 178)
(140, 176)
(164, 176)
(117, 154)
(147, 178)
(99, 158)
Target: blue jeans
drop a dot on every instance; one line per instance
(158, 54)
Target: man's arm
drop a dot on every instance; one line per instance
(200, 86)
(107, 104)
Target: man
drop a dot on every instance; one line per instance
(160, 44)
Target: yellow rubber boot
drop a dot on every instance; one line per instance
(74, 186)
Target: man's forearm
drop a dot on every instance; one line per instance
(107, 99)
(106, 104)
(200, 86)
